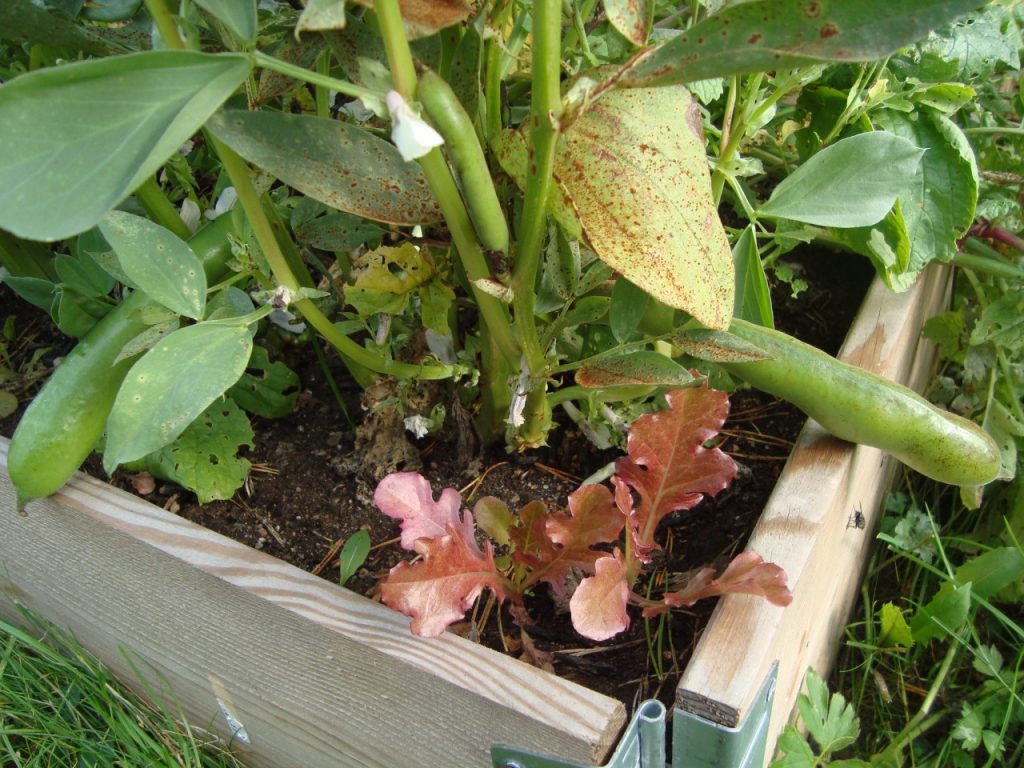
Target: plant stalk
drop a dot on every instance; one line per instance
(350, 351)
(160, 209)
(164, 23)
(545, 111)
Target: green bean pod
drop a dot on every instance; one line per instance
(467, 159)
(862, 407)
(64, 421)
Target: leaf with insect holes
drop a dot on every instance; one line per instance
(440, 588)
(407, 496)
(598, 606)
(747, 574)
(551, 545)
(668, 466)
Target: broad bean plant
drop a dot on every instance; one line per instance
(522, 199)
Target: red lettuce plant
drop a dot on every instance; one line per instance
(608, 533)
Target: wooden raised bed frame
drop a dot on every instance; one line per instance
(319, 676)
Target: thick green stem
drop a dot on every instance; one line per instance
(468, 247)
(986, 264)
(248, 198)
(160, 209)
(545, 111)
(164, 23)
(403, 72)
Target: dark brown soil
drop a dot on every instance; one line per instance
(311, 488)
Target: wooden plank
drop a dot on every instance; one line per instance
(317, 675)
(806, 528)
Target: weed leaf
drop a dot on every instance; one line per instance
(832, 722)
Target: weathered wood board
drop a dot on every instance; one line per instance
(317, 675)
(810, 527)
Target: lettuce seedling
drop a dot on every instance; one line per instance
(606, 532)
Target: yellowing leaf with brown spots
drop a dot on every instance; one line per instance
(425, 17)
(632, 18)
(632, 171)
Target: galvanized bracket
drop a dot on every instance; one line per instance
(701, 743)
(642, 746)
(696, 742)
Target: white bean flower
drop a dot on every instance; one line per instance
(410, 133)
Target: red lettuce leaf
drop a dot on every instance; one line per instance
(598, 606)
(747, 574)
(668, 466)
(438, 590)
(407, 496)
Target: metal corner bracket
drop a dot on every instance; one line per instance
(696, 742)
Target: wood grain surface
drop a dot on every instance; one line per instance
(317, 675)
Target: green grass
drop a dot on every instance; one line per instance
(60, 707)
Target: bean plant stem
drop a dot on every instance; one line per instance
(442, 184)
(545, 111)
(162, 210)
(240, 177)
(164, 23)
(396, 46)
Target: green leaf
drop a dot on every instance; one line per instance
(988, 661)
(75, 140)
(989, 572)
(642, 367)
(239, 16)
(271, 391)
(204, 459)
(894, 630)
(851, 183)
(943, 614)
(1002, 322)
(968, 727)
(21, 21)
(83, 275)
(939, 199)
(766, 35)
(627, 308)
(832, 722)
(8, 403)
(77, 314)
(634, 170)
(753, 296)
(887, 245)
(338, 232)
(978, 43)
(353, 555)
(34, 290)
(158, 262)
(797, 753)
(171, 385)
(336, 163)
